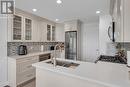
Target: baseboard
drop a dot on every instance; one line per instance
(2, 84)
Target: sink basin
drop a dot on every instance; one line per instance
(65, 64)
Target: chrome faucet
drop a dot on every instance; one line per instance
(54, 57)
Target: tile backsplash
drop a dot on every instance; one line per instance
(36, 47)
(125, 46)
(113, 48)
(31, 46)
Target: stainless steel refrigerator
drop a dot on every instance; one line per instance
(71, 45)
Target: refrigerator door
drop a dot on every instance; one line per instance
(71, 45)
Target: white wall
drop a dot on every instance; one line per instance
(89, 41)
(105, 44)
(3, 50)
(60, 32)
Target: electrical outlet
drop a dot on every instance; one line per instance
(31, 48)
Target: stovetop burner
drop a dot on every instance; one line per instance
(113, 59)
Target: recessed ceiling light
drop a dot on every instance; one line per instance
(59, 1)
(57, 19)
(34, 10)
(98, 12)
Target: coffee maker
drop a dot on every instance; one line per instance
(22, 50)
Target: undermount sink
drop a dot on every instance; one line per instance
(64, 64)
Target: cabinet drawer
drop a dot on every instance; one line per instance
(26, 65)
(27, 59)
(25, 76)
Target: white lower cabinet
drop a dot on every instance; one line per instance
(21, 70)
(25, 76)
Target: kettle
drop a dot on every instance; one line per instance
(22, 50)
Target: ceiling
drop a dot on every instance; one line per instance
(84, 10)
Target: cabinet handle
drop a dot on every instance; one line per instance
(29, 66)
(30, 75)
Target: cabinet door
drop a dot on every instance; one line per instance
(48, 32)
(35, 31)
(126, 20)
(28, 29)
(53, 33)
(43, 32)
(67, 27)
(10, 28)
(71, 25)
(118, 18)
(17, 27)
(60, 33)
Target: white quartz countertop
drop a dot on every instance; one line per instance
(30, 54)
(107, 74)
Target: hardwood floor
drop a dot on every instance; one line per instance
(31, 83)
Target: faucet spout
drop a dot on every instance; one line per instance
(55, 49)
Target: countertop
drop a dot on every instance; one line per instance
(107, 74)
(30, 54)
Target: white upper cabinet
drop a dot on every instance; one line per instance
(43, 32)
(118, 19)
(71, 25)
(60, 33)
(36, 31)
(26, 27)
(50, 32)
(17, 28)
(121, 17)
(126, 20)
(53, 33)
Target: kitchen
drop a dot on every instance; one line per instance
(77, 48)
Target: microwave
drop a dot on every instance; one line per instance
(111, 32)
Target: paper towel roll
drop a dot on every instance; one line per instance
(128, 58)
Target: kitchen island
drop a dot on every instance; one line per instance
(101, 74)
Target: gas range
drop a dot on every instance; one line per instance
(113, 59)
